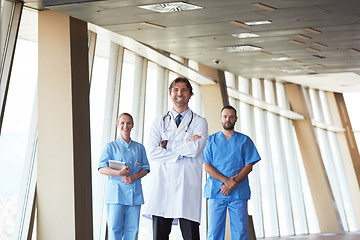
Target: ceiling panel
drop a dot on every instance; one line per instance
(198, 34)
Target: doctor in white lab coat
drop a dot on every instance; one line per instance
(175, 154)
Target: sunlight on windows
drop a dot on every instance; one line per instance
(352, 100)
(97, 121)
(14, 135)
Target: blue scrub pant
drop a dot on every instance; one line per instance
(238, 218)
(123, 221)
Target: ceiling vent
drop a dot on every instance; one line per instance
(170, 7)
(245, 35)
(240, 48)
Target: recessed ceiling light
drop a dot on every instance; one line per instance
(240, 48)
(318, 44)
(292, 70)
(153, 25)
(313, 30)
(281, 59)
(170, 7)
(297, 70)
(258, 22)
(296, 42)
(248, 24)
(263, 6)
(302, 36)
(245, 35)
(313, 49)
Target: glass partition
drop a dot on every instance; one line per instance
(17, 134)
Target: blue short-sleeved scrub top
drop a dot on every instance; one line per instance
(229, 157)
(134, 155)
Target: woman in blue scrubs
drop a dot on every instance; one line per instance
(124, 192)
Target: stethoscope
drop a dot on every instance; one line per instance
(169, 115)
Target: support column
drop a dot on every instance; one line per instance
(214, 97)
(64, 199)
(324, 203)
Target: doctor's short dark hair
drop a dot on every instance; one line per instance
(184, 80)
(228, 107)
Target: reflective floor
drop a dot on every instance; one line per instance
(347, 236)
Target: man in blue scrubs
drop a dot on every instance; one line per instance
(124, 192)
(229, 157)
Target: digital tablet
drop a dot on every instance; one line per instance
(116, 164)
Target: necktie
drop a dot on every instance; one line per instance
(178, 120)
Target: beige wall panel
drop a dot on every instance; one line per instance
(54, 122)
(212, 104)
(327, 213)
(59, 132)
(213, 97)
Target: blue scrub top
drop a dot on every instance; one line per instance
(134, 155)
(229, 157)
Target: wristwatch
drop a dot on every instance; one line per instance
(163, 143)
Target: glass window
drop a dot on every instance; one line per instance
(292, 169)
(152, 102)
(15, 131)
(244, 110)
(347, 210)
(280, 203)
(278, 165)
(195, 102)
(98, 134)
(352, 100)
(311, 217)
(4, 22)
(230, 80)
(130, 90)
(332, 158)
(177, 58)
(127, 83)
(193, 64)
(269, 207)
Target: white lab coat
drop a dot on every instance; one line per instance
(176, 183)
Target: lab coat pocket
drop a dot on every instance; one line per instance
(192, 174)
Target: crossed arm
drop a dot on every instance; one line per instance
(230, 183)
(188, 148)
(193, 138)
